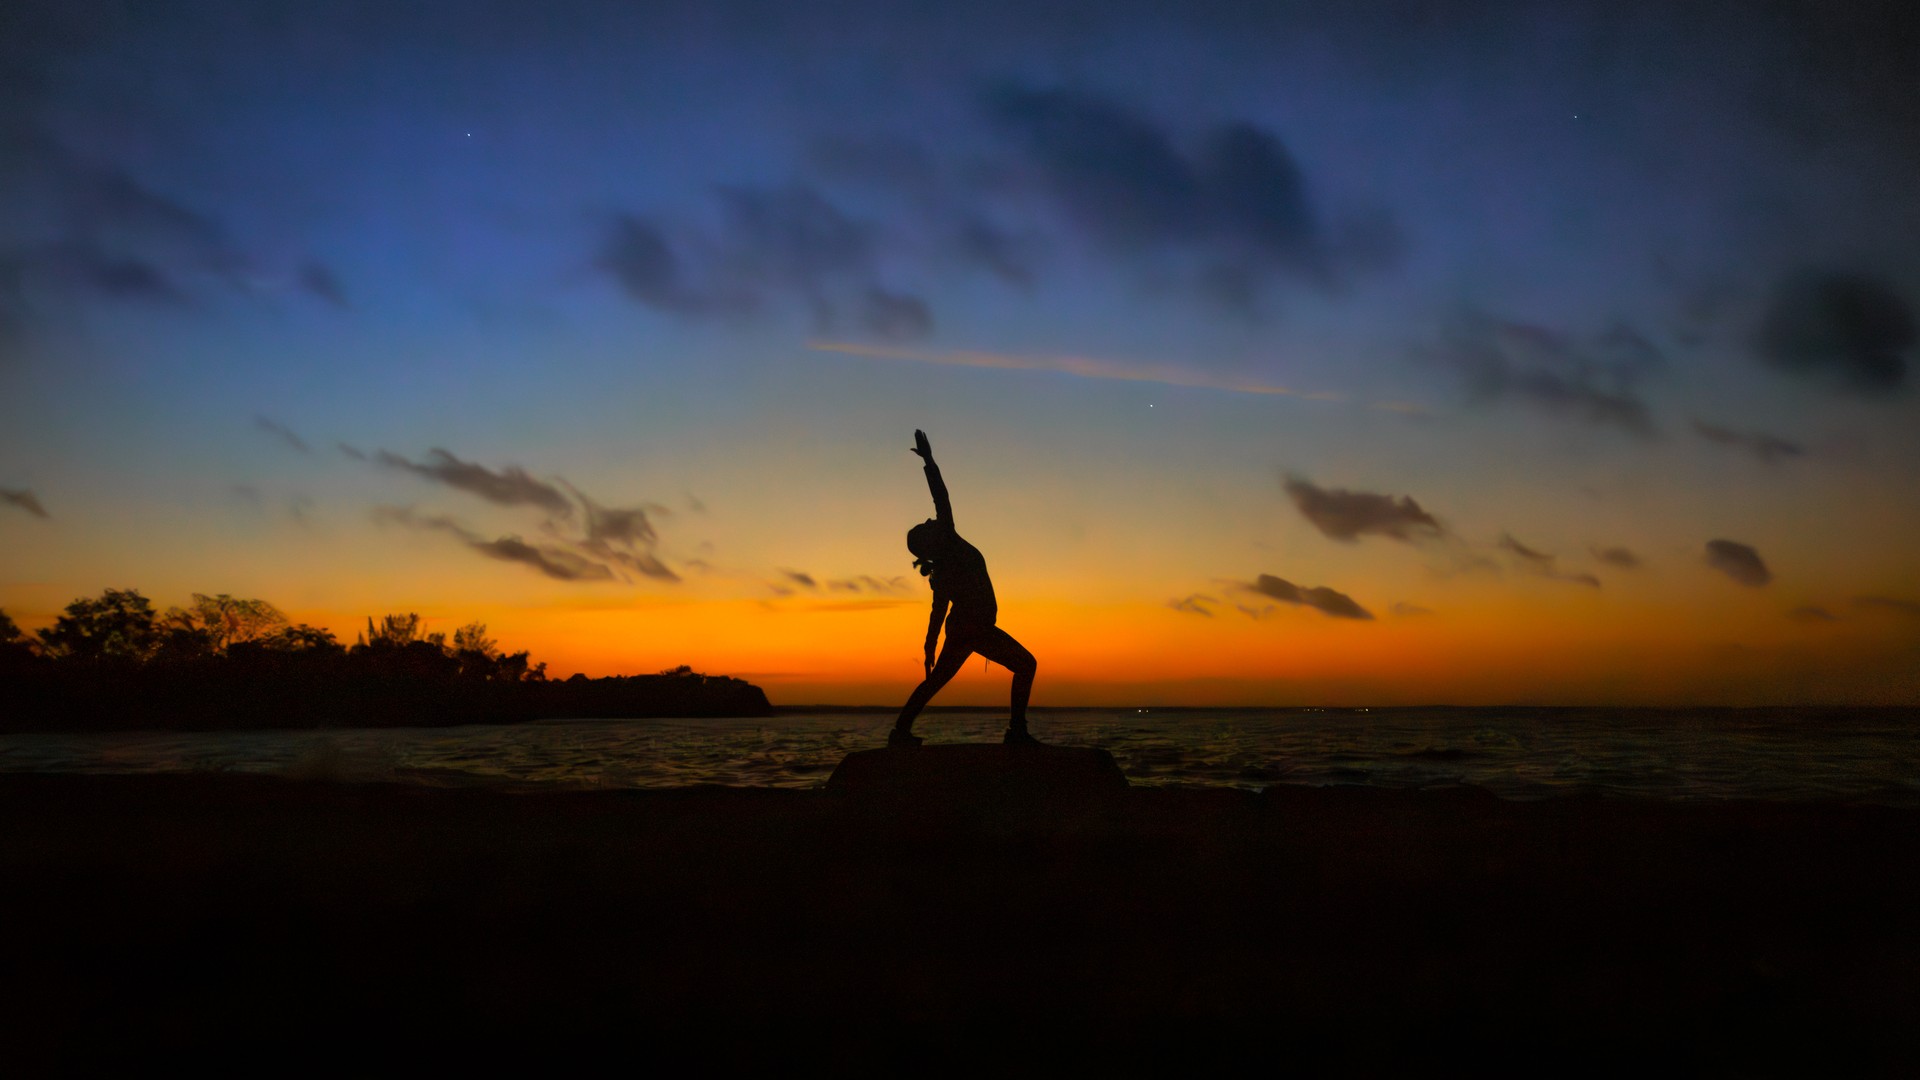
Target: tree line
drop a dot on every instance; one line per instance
(114, 662)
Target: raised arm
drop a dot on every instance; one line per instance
(942, 506)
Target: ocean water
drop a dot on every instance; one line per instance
(1777, 754)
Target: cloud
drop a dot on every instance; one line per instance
(1618, 557)
(773, 243)
(1193, 603)
(107, 195)
(99, 232)
(511, 486)
(282, 432)
(1768, 448)
(801, 578)
(961, 228)
(1346, 516)
(1322, 599)
(25, 500)
(1408, 611)
(408, 517)
(640, 562)
(1848, 327)
(353, 452)
(553, 561)
(1236, 206)
(319, 280)
(610, 525)
(1111, 169)
(1541, 563)
(624, 537)
(85, 269)
(867, 583)
(636, 255)
(1738, 561)
(1223, 210)
(1594, 383)
(1009, 257)
(793, 235)
(895, 316)
(1813, 614)
(613, 537)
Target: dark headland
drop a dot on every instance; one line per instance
(231, 917)
(113, 663)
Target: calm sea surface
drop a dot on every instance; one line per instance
(1785, 754)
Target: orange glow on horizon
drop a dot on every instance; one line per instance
(867, 652)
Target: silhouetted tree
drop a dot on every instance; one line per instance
(16, 649)
(394, 631)
(226, 620)
(514, 667)
(473, 638)
(301, 638)
(119, 626)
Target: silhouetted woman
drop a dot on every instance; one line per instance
(963, 599)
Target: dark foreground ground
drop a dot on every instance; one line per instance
(254, 923)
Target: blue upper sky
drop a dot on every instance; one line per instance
(1504, 255)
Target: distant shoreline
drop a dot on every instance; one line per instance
(222, 695)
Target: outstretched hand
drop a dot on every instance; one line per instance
(921, 446)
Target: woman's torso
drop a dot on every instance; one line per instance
(960, 577)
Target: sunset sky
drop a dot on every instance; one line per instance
(1472, 353)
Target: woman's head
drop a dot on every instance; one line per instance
(926, 540)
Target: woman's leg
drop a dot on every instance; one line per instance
(1000, 647)
(952, 655)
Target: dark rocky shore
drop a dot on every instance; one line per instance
(1348, 929)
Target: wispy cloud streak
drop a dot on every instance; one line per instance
(511, 486)
(25, 500)
(1322, 599)
(1541, 563)
(555, 562)
(1087, 367)
(282, 432)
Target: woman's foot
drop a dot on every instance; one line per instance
(900, 738)
(1018, 736)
